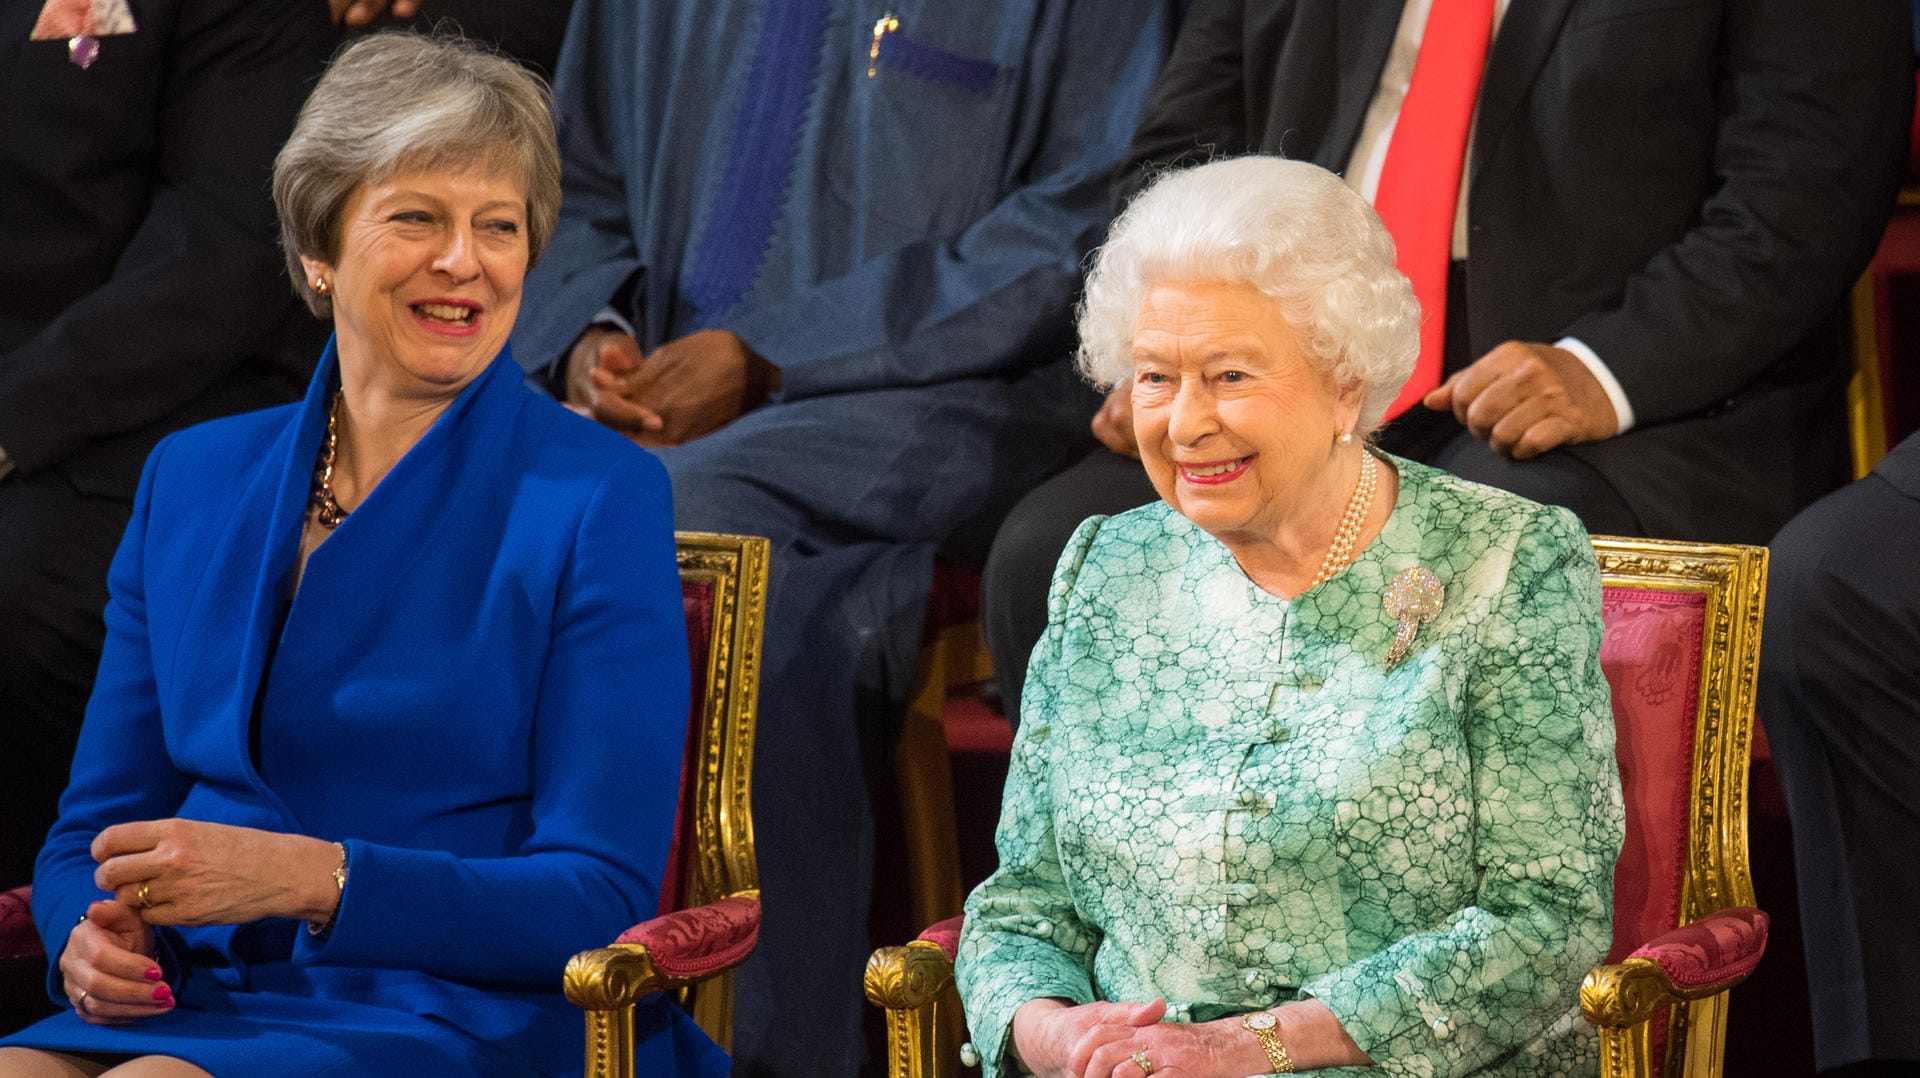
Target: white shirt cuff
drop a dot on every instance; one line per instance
(1622, 408)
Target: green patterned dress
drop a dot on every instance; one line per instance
(1231, 800)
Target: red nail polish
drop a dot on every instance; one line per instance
(162, 992)
(154, 974)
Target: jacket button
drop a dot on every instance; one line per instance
(1256, 980)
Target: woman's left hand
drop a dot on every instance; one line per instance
(1221, 1049)
(189, 872)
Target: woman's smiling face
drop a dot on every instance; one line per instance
(428, 278)
(1236, 425)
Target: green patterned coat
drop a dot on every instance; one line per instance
(1230, 800)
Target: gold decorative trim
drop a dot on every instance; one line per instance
(1866, 401)
(1733, 580)
(915, 985)
(607, 981)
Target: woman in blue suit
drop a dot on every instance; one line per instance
(389, 719)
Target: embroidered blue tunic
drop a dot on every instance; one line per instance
(890, 200)
(480, 689)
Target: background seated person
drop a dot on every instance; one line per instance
(1317, 761)
(252, 873)
(845, 241)
(1840, 693)
(1635, 284)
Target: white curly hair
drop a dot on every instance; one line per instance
(1290, 230)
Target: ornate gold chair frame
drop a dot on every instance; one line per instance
(1625, 1000)
(694, 949)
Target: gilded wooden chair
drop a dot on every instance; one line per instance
(709, 897)
(1680, 652)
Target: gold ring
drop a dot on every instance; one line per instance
(1140, 1060)
(145, 897)
(81, 1003)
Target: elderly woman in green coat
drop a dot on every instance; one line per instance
(1316, 761)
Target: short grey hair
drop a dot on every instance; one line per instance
(1288, 229)
(400, 102)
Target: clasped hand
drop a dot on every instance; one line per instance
(688, 387)
(1098, 1040)
(1523, 399)
(190, 872)
(181, 872)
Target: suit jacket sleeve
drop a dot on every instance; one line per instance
(593, 253)
(1815, 107)
(609, 728)
(1197, 110)
(996, 298)
(200, 285)
(1548, 824)
(122, 770)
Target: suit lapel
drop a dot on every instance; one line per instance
(1363, 37)
(1527, 35)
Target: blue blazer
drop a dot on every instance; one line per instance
(480, 689)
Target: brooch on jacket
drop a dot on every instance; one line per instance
(1412, 599)
(83, 23)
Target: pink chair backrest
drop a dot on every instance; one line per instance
(1651, 657)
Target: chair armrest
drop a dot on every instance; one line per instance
(671, 951)
(1691, 962)
(19, 939)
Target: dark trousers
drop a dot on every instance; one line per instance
(55, 545)
(1840, 696)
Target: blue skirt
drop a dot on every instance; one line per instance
(245, 1034)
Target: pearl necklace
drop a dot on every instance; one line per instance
(1340, 554)
(330, 514)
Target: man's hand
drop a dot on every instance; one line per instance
(1113, 423)
(598, 366)
(362, 12)
(190, 872)
(1525, 398)
(688, 387)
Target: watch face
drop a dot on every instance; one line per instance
(1261, 1020)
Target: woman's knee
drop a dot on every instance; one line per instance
(36, 1063)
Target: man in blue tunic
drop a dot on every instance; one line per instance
(822, 254)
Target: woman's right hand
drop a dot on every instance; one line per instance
(1055, 1039)
(110, 975)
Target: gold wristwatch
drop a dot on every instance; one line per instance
(1262, 1025)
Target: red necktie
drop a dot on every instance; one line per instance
(1420, 179)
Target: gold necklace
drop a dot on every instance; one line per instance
(1340, 554)
(330, 514)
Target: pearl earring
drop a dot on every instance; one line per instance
(1346, 438)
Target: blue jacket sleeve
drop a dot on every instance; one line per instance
(997, 297)
(608, 733)
(121, 768)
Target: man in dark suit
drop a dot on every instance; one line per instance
(141, 290)
(1671, 197)
(1840, 692)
